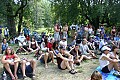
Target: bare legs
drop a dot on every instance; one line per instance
(33, 65)
(7, 67)
(15, 69)
(113, 65)
(45, 59)
(67, 64)
(23, 66)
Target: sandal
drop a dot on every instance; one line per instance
(72, 71)
(24, 77)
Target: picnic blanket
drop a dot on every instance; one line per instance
(107, 76)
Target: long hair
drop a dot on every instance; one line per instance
(54, 45)
(33, 38)
(113, 47)
(12, 51)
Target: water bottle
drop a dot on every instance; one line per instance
(4, 76)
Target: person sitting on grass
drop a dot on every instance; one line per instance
(11, 61)
(64, 62)
(84, 49)
(96, 76)
(28, 67)
(114, 54)
(78, 57)
(43, 46)
(22, 43)
(63, 42)
(34, 47)
(4, 45)
(106, 63)
(46, 57)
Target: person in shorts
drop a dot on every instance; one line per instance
(106, 63)
(10, 62)
(46, 57)
(28, 67)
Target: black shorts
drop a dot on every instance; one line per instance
(59, 66)
(12, 68)
(105, 69)
(43, 61)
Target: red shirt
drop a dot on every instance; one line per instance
(27, 38)
(49, 45)
(10, 57)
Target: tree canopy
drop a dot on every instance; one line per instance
(95, 11)
(43, 13)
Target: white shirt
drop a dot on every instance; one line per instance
(43, 48)
(103, 62)
(21, 39)
(90, 30)
(6, 32)
(113, 55)
(63, 43)
(102, 43)
(49, 38)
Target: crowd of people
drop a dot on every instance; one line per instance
(84, 45)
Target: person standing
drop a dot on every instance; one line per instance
(6, 32)
(56, 32)
(65, 30)
(0, 33)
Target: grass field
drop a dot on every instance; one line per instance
(53, 73)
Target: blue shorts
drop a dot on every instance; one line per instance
(28, 69)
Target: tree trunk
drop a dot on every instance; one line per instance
(20, 21)
(10, 20)
(95, 23)
(20, 18)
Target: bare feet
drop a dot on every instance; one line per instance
(13, 78)
(54, 63)
(16, 77)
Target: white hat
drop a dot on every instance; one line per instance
(105, 48)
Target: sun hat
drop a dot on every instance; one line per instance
(105, 48)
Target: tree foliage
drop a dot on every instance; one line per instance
(96, 11)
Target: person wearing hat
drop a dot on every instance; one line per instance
(106, 63)
(65, 60)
